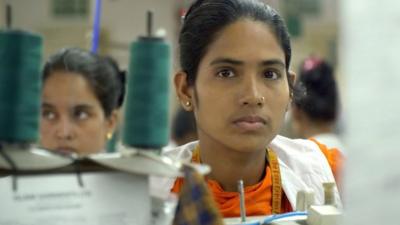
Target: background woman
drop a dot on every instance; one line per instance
(81, 95)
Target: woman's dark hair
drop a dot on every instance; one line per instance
(102, 73)
(205, 18)
(319, 98)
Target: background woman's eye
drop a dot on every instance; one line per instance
(226, 73)
(48, 115)
(269, 74)
(81, 115)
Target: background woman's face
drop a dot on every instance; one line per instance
(242, 88)
(72, 118)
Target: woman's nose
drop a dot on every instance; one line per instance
(64, 129)
(252, 94)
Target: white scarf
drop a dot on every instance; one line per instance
(302, 165)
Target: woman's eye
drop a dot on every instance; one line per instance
(272, 75)
(48, 115)
(226, 73)
(81, 115)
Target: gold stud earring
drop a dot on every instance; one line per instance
(188, 104)
(109, 135)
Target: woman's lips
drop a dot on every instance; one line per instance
(250, 123)
(66, 149)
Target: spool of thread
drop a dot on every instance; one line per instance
(147, 105)
(20, 86)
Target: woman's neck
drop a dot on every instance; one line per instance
(230, 165)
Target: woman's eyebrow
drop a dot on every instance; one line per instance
(269, 62)
(83, 106)
(47, 105)
(226, 61)
(273, 62)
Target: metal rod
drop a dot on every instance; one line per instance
(8, 16)
(242, 201)
(149, 23)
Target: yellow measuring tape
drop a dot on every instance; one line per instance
(276, 182)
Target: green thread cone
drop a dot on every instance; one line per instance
(147, 106)
(20, 86)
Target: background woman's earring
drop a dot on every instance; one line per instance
(188, 104)
(109, 135)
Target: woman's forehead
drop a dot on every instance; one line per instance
(245, 40)
(69, 89)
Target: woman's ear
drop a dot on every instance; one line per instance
(112, 121)
(184, 90)
(292, 77)
(291, 80)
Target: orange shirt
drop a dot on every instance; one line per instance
(258, 197)
(335, 160)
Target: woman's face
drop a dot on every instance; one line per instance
(72, 118)
(241, 91)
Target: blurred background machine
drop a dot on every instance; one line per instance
(45, 187)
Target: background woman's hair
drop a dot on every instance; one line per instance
(102, 74)
(319, 98)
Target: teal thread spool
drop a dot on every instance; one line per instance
(147, 105)
(146, 112)
(20, 86)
